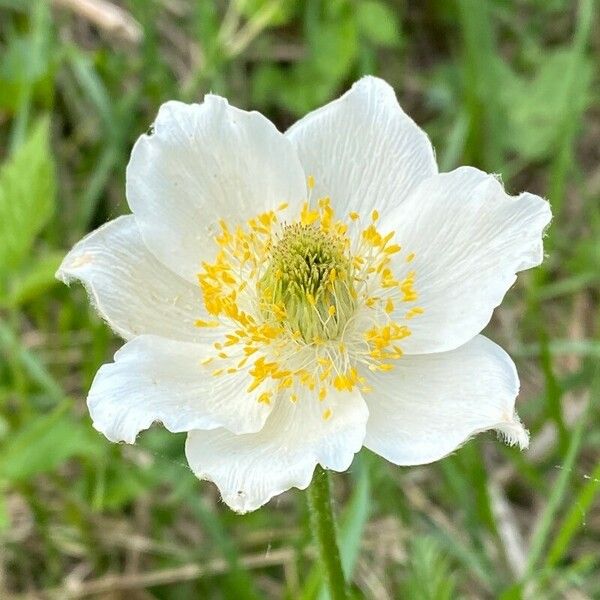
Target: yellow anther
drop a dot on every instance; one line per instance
(308, 216)
(310, 182)
(265, 398)
(286, 382)
(327, 413)
(202, 323)
(393, 249)
(388, 237)
(414, 311)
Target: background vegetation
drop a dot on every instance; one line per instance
(511, 86)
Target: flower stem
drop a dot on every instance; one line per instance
(323, 528)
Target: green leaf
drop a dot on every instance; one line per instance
(27, 189)
(334, 47)
(537, 107)
(11, 345)
(4, 518)
(281, 12)
(45, 443)
(34, 279)
(377, 22)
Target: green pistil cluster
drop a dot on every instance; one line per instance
(308, 285)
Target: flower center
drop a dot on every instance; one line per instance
(308, 285)
(306, 307)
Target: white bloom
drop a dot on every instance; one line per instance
(289, 298)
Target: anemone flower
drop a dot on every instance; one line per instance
(289, 298)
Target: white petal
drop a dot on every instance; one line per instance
(154, 379)
(250, 469)
(363, 151)
(204, 162)
(470, 239)
(431, 404)
(130, 288)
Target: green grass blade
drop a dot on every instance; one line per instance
(575, 519)
(560, 489)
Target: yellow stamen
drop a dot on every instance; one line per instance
(306, 302)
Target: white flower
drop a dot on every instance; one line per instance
(289, 298)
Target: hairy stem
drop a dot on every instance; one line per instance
(323, 528)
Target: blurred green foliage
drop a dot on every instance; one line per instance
(510, 86)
